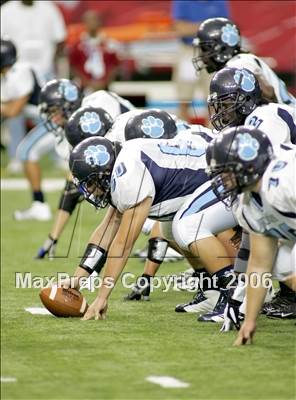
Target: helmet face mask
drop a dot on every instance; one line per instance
(225, 183)
(224, 110)
(59, 98)
(217, 41)
(209, 55)
(236, 161)
(91, 163)
(234, 94)
(96, 190)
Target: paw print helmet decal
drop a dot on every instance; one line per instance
(234, 94)
(236, 160)
(87, 122)
(217, 41)
(152, 124)
(91, 163)
(59, 94)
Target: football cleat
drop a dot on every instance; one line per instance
(38, 211)
(48, 248)
(141, 290)
(277, 302)
(203, 302)
(217, 314)
(283, 308)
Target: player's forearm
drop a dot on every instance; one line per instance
(117, 259)
(255, 295)
(106, 231)
(262, 255)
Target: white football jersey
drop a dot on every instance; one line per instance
(277, 121)
(261, 69)
(109, 101)
(17, 82)
(168, 171)
(116, 133)
(272, 211)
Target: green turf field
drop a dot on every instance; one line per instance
(69, 359)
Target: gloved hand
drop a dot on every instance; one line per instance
(232, 317)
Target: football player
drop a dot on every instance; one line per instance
(127, 127)
(58, 99)
(218, 45)
(235, 99)
(96, 116)
(163, 173)
(243, 166)
(19, 98)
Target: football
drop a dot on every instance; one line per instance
(63, 302)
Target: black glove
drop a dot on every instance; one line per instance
(232, 316)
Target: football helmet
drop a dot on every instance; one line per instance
(59, 95)
(237, 159)
(91, 163)
(234, 94)
(217, 41)
(87, 122)
(8, 53)
(152, 124)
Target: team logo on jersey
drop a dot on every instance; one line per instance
(96, 155)
(230, 35)
(90, 122)
(69, 91)
(245, 80)
(152, 127)
(247, 147)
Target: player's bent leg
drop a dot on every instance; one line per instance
(157, 248)
(152, 227)
(284, 304)
(194, 228)
(38, 142)
(161, 238)
(69, 199)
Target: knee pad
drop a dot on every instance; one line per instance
(70, 198)
(157, 248)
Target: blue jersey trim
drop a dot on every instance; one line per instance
(287, 117)
(204, 200)
(171, 183)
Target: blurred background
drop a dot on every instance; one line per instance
(133, 47)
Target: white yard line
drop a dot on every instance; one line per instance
(38, 310)
(8, 379)
(167, 381)
(48, 185)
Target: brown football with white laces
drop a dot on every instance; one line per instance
(63, 302)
